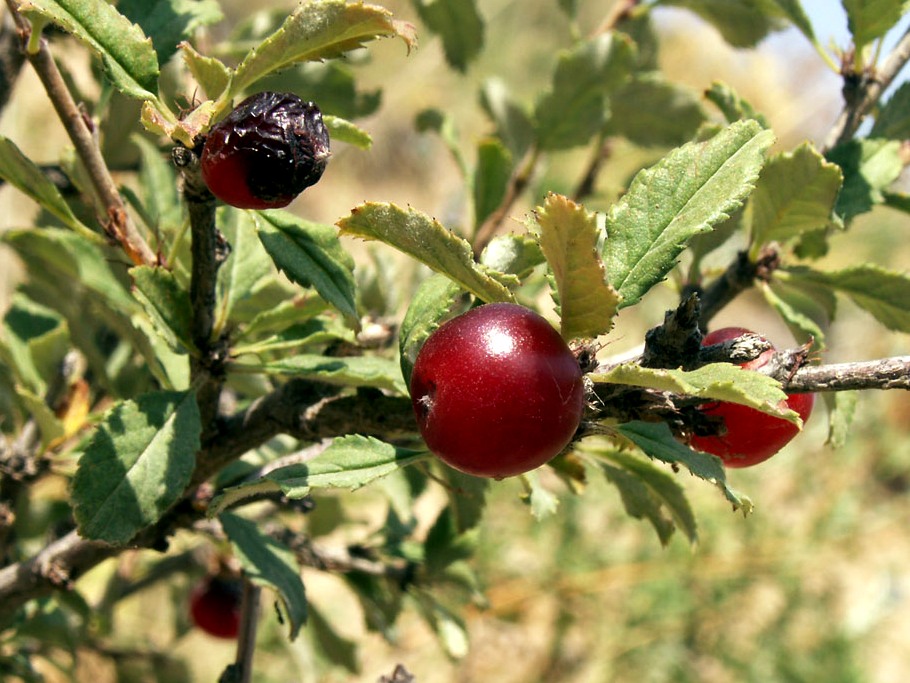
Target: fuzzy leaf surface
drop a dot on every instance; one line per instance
(348, 371)
(342, 130)
(167, 304)
(349, 462)
(688, 192)
(717, 381)
(568, 237)
(210, 73)
(316, 31)
(795, 193)
(425, 239)
(516, 255)
(656, 441)
(246, 267)
(127, 53)
(269, 563)
(311, 255)
(136, 465)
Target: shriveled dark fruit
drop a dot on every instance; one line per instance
(215, 606)
(496, 391)
(749, 436)
(267, 151)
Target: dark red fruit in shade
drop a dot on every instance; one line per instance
(267, 151)
(496, 391)
(751, 436)
(215, 606)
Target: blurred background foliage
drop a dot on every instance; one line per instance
(814, 586)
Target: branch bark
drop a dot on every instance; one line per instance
(862, 100)
(113, 214)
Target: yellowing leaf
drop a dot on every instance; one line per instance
(568, 237)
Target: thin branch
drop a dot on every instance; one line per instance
(246, 640)
(867, 93)
(115, 218)
(517, 184)
(884, 373)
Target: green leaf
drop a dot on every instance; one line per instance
(491, 178)
(732, 106)
(212, 75)
(246, 267)
(446, 543)
(793, 10)
(718, 381)
(349, 462)
(893, 120)
(448, 626)
(651, 493)
(841, 411)
(688, 192)
(267, 562)
(311, 255)
(167, 304)
(49, 425)
(443, 124)
(423, 238)
(743, 23)
(161, 200)
(315, 31)
(71, 259)
(136, 465)
(568, 237)
(346, 371)
(650, 111)
(807, 307)
(516, 255)
(542, 501)
(341, 130)
(432, 301)
(307, 333)
(656, 441)
(127, 53)
(513, 123)
(338, 650)
(27, 326)
(880, 292)
(167, 22)
(459, 24)
(575, 109)
(869, 167)
(467, 497)
(795, 194)
(869, 20)
(23, 174)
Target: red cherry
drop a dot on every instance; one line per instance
(496, 391)
(269, 149)
(751, 436)
(215, 606)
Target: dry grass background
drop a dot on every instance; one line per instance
(815, 586)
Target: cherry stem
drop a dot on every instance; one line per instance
(246, 640)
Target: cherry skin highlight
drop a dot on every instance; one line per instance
(215, 606)
(267, 151)
(751, 436)
(496, 391)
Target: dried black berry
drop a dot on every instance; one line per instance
(268, 150)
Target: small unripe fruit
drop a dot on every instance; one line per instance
(269, 149)
(750, 436)
(215, 606)
(496, 391)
